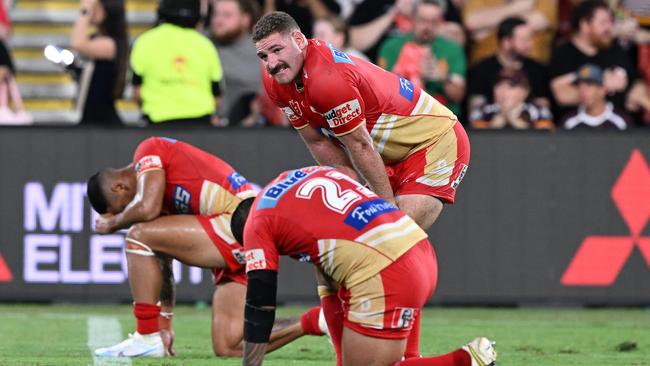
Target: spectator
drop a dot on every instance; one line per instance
(515, 44)
(305, 12)
(594, 111)
(592, 42)
(333, 29)
(176, 70)
(104, 77)
(375, 20)
(481, 18)
(242, 74)
(511, 108)
(9, 93)
(429, 61)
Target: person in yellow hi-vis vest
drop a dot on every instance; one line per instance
(176, 70)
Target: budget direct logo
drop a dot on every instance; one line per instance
(343, 113)
(600, 259)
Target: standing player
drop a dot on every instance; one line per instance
(409, 148)
(177, 201)
(378, 117)
(361, 242)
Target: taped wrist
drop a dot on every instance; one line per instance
(259, 312)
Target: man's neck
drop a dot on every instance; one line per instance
(508, 60)
(596, 109)
(582, 43)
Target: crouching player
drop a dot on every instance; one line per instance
(380, 259)
(177, 201)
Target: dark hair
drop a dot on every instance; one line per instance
(585, 11)
(114, 26)
(439, 3)
(183, 13)
(239, 217)
(274, 22)
(95, 192)
(507, 27)
(251, 8)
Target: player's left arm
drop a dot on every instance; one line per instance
(259, 314)
(368, 161)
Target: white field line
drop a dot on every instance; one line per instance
(104, 331)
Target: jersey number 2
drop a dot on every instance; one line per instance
(334, 198)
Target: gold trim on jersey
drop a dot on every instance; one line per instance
(382, 236)
(221, 226)
(215, 199)
(396, 137)
(352, 262)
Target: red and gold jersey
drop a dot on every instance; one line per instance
(196, 182)
(320, 215)
(339, 92)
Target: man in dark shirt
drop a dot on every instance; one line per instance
(515, 44)
(592, 24)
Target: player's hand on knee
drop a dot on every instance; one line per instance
(167, 336)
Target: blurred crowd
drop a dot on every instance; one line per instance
(497, 64)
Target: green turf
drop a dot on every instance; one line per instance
(57, 335)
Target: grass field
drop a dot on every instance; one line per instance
(60, 335)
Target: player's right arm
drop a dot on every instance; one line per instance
(147, 203)
(326, 152)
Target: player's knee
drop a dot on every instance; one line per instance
(221, 348)
(136, 241)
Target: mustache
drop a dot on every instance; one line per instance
(277, 68)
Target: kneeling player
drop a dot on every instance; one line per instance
(380, 259)
(177, 201)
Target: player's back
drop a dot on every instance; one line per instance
(321, 215)
(197, 182)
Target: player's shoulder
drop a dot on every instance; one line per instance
(325, 57)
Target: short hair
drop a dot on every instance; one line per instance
(248, 7)
(507, 27)
(183, 13)
(239, 217)
(585, 11)
(274, 22)
(340, 26)
(95, 192)
(439, 3)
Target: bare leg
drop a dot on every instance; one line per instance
(423, 209)
(228, 320)
(359, 349)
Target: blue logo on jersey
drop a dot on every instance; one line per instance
(169, 139)
(366, 212)
(406, 88)
(272, 194)
(340, 56)
(237, 180)
(182, 200)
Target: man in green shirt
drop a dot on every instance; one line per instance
(176, 70)
(436, 64)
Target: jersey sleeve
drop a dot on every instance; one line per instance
(340, 102)
(294, 116)
(149, 155)
(259, 244)
(216, 70)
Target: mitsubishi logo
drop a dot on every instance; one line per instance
(600, 259)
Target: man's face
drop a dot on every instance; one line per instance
(325, 31)
(521, 42)
(282, 55)
(591, 93)
(228, 21)
(509, 95)
(599, 29)
(426, 19)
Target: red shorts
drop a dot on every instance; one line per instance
(385, 306)
(218, 229)
(435, 170)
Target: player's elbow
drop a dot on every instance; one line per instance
(150, 210)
